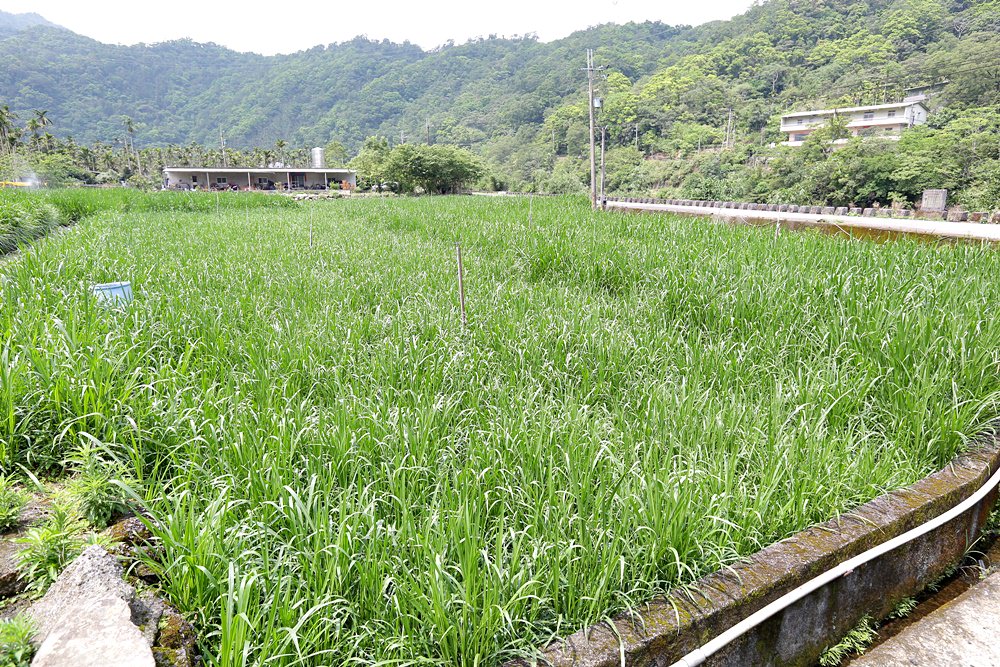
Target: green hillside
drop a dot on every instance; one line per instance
(181, 91)
(669, 95)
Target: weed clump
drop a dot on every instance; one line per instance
(50, 547)
(856, 642)
(16, 649)
(12, 501)
(95, 487)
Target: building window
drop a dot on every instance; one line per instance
(799, 137)
(870, 115)
(194, 178)
(221, 180)
(892, 114)
(798, 121)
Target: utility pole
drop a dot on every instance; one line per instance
(428, 131)
(222, 144)
(603, 130)
(593, 165)
(730, 130)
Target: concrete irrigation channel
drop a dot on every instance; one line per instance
(941, 229)
(667, 629)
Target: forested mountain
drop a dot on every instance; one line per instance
(672, 96)
(181, 91)
(13, 23)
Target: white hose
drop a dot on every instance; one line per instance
(701, 654)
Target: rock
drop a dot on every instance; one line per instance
(131, 531)
(145, 573)
(11, 583)
(86, 617)
(99, 633)
(147, 612)
(175, 645)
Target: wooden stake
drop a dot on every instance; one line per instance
(461, 284)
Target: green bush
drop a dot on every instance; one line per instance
(50, 547)
(93, 489)
(16, 648)
(12, 501)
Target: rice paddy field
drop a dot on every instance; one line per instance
(341, 474)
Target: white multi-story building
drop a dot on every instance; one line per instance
(885, 121)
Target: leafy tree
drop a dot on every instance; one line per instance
(435, 169)
(370, 163)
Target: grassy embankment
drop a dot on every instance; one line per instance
(342, 474)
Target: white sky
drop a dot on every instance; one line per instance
(279, 26)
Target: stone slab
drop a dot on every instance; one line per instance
(99, 633)
(934, 200)
(964, 633)
(85, 618)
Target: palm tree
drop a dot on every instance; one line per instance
(42, 117)
(33, 126)
(130, 127)
(280, 146)
(8, 130)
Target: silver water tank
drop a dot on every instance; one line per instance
(318, 158)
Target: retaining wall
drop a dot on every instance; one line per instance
(952, 215)
(667, 628)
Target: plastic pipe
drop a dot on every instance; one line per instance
(702, 653)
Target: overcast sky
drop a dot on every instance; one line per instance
(285, 27)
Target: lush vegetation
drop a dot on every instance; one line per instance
(415, 167)
(16, 649)
(340, 472)
(28, 214)
(521, 104)
(23, 219)
(12, 501)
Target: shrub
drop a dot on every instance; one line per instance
(12, 501)
(16, 648)
(50, 547)
(93, 489)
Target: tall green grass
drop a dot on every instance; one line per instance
(26, 215)
(24, 219)
(342, 474)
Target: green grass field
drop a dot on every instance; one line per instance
(342, 474)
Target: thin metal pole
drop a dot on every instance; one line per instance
(593, 168)
(461, 284)
(603, 129)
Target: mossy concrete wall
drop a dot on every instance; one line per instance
(667, 628)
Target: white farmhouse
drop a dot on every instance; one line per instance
(275, 177)
(886, 121)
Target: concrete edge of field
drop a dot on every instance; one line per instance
(823, 217)
(665, 629)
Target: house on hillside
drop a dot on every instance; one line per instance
(316, 177)
(885, 121)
